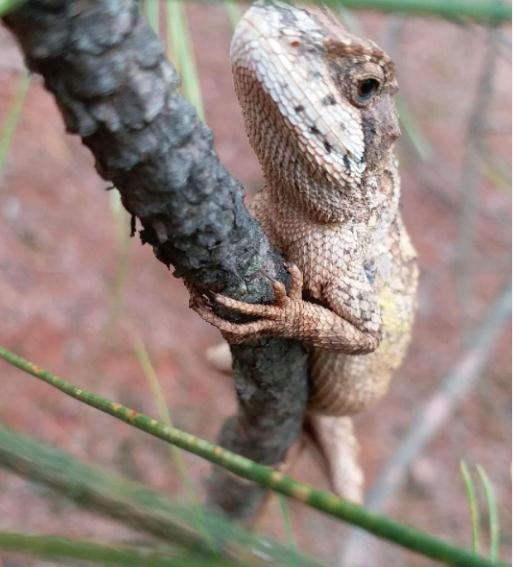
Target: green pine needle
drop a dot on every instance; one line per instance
(493, 514)
(472, 505)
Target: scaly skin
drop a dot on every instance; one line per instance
(318, 108)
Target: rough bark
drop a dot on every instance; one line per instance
(116, 90)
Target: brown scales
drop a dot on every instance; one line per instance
(319, 113)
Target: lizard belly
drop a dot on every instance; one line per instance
(347, 384)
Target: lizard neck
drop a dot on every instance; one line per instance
(322, 200)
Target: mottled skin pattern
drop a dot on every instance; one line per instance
(319, 113)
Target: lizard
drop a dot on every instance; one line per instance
(318, 107)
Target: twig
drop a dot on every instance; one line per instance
(326, 502)
(434, 414)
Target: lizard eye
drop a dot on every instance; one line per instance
(366, 89)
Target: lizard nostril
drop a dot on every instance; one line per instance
(295, 43)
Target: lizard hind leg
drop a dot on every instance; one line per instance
(346, 385)
(337, 444)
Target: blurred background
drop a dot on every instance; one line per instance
(80, 298)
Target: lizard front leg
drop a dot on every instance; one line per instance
(290, 316)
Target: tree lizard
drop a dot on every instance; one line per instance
(319, 113)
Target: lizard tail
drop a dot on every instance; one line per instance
(335, 438)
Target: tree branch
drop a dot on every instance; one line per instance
(115, 89)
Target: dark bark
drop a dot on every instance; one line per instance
(115, 89)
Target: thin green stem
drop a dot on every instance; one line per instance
(326, 502)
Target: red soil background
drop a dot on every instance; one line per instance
(58, 262)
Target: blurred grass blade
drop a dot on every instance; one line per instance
(144, 360)
(63, 549)
(493, 515)
(497, 173)
(7, 5)
(190, 78)
(472, 504)
(289, 532)
(12, 117)
(233, 11)
(413, 129)
(122, 233)
(351, 22)
(180, 52)
(409, 124)
(152, 13)
(174, 32)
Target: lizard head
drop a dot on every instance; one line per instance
(317, 103)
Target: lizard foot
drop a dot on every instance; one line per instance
(278, 319)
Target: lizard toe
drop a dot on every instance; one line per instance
(253, 309)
